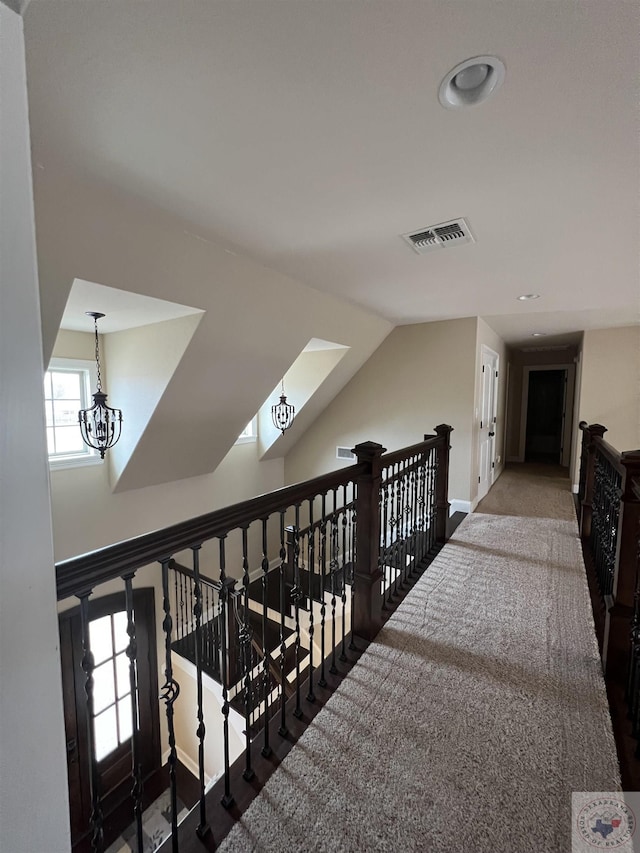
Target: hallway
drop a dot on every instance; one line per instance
(474, 714)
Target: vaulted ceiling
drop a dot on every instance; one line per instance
(294, 141)
(309, 136)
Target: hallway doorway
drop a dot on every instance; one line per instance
(547, 402)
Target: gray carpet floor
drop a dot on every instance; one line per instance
(476, 712)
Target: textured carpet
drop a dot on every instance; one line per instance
(476, 712)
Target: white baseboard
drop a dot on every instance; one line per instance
(461, 506)
(191, 765)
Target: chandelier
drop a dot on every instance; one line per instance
(283, 413)
(100, 426)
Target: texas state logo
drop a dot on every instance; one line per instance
(606, 823)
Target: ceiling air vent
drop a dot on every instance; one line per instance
(345, 453)
(440, 236)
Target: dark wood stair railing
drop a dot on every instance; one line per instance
(343, 545)
(609, 521)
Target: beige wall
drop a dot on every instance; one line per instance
(34, 809)
(87, 514)
(421, 375)
(186, 723)
(301, 383)
(610, 391)
(141, 363)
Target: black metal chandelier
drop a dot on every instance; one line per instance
(100, 426)
(283, 413)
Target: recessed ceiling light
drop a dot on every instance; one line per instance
(538, 334)
(527, 296)
(471, 82)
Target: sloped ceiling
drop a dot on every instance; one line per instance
(259, 159)
(309, 136)
(217, 366)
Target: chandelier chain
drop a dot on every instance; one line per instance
(99, 383)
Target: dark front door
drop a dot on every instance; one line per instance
(112, 719)
(545, 416)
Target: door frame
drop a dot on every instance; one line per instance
(77, 721)
(570, 370)
(494, 356)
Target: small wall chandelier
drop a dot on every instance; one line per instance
(100, 426)
(283, 413)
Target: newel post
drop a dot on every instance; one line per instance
(586, 508)
(443, 431)
(367, 589)
(626, 569)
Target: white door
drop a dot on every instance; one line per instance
(487, 431)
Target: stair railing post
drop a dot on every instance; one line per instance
(443, 431)
(584, 442)
(367, 587)
(586, 509)
(620, 615)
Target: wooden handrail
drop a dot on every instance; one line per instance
(79, 575)
(414, 450)
(609, 452)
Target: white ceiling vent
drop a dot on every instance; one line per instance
(345, 453)
(440, 236)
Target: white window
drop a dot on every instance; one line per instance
(67, 389)
(112, 723)
(249, 433)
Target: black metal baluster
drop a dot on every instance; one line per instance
(395, 527)
(212, 658)
(227, 798)
(343, 649)
(266, 675)
(207, 625)
(386, 598)
(169, 693)
(191, 598)
(353, 521)
(88, 666)
(322, 681)
(413, 520)
(422, 507)
(431, 497)
(203, 827)
(245, 645)
(333, 566)
(311, 695)
(180, 613)
(136, 767)
(217, 634)
(283, 731)
(403, 522)
(296, 594)
(176, 597)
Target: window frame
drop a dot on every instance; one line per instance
(250, 437)
(87, 456)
